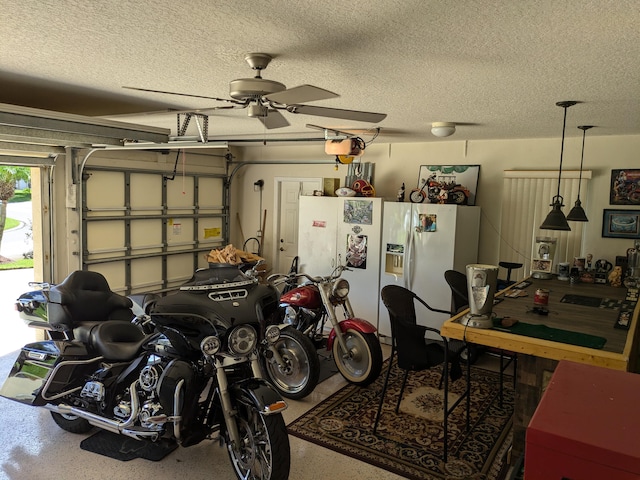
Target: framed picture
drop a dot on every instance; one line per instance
(540, 265)
(625, 187)
(455, 184)
(621, 223)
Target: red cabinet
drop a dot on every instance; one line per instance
(586, 427)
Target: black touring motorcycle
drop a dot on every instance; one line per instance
(186, 371)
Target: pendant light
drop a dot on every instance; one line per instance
(556, 219)
(577, 212)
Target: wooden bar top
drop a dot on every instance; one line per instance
(619, 348)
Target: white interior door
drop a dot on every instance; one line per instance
(289, 191)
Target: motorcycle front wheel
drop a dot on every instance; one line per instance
(362, 363)
(298, 376)
(264, 452)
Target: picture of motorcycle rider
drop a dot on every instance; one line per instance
(356, 251)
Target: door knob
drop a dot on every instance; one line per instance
(282, 249)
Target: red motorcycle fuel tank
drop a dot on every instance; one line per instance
(307, 296)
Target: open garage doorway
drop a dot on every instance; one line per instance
(24, 250)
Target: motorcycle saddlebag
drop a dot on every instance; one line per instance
(33, 367)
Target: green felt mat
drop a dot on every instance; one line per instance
(552, 334)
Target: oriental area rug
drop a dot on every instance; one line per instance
(410, 443)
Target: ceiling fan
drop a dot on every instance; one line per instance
(265, 99)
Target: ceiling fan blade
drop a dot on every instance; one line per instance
(300, 94)
(354, 115)
(228, 100)
(175, 111)
(274, 119)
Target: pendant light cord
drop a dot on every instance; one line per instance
(584, 134)
(564, 126)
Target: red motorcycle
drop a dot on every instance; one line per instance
(321, 300)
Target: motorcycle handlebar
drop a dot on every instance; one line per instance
(285, 277)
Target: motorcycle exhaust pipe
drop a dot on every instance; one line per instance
(113, 426)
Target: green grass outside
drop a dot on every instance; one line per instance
(21, 196)
(24, 263)
(10, 223)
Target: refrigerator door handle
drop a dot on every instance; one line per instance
(408, 278)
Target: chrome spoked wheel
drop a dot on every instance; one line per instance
(362, 362)
(298, 375)
(263, 452)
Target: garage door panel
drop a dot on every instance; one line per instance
(114, 274)
(146, 274)
(105, 237)
(179, 269)
(180, 232)
(210, 230)
(146, 235)
(105, 190)
(180, 193)
(146, 192)
(211, 191)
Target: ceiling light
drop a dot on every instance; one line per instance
(577, 213)
(556, 219)
(443, 129)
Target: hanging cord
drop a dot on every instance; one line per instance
(184, 161)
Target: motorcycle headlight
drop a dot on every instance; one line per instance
(210, 345)
(340, 289)
(243, 340)
(272, 334)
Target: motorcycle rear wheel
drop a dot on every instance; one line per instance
(264, 452)
(71, 423)
(363, 363)
(301, 371)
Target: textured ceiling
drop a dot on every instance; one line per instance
(496, 66)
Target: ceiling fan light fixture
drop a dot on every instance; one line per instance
(443, 129)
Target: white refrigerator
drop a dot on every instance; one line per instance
(419, 243)
(347, 231)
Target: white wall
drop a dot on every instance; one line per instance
(400, 162)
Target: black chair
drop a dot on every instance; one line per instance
(459, 294)
(460, 300)
(509, 266)
(415, 353)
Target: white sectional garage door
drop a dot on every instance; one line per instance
(146, 232)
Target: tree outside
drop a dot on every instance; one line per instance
(9, 176)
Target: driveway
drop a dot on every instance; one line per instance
(14, 332)
(17, 241)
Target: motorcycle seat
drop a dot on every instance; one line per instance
(83, 297)
(117, 340)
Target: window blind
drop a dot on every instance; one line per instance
(526, 203)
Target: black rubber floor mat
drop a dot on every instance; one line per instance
(121, 447)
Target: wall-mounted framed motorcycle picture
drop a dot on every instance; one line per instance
(453, 184)
(625, 187)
